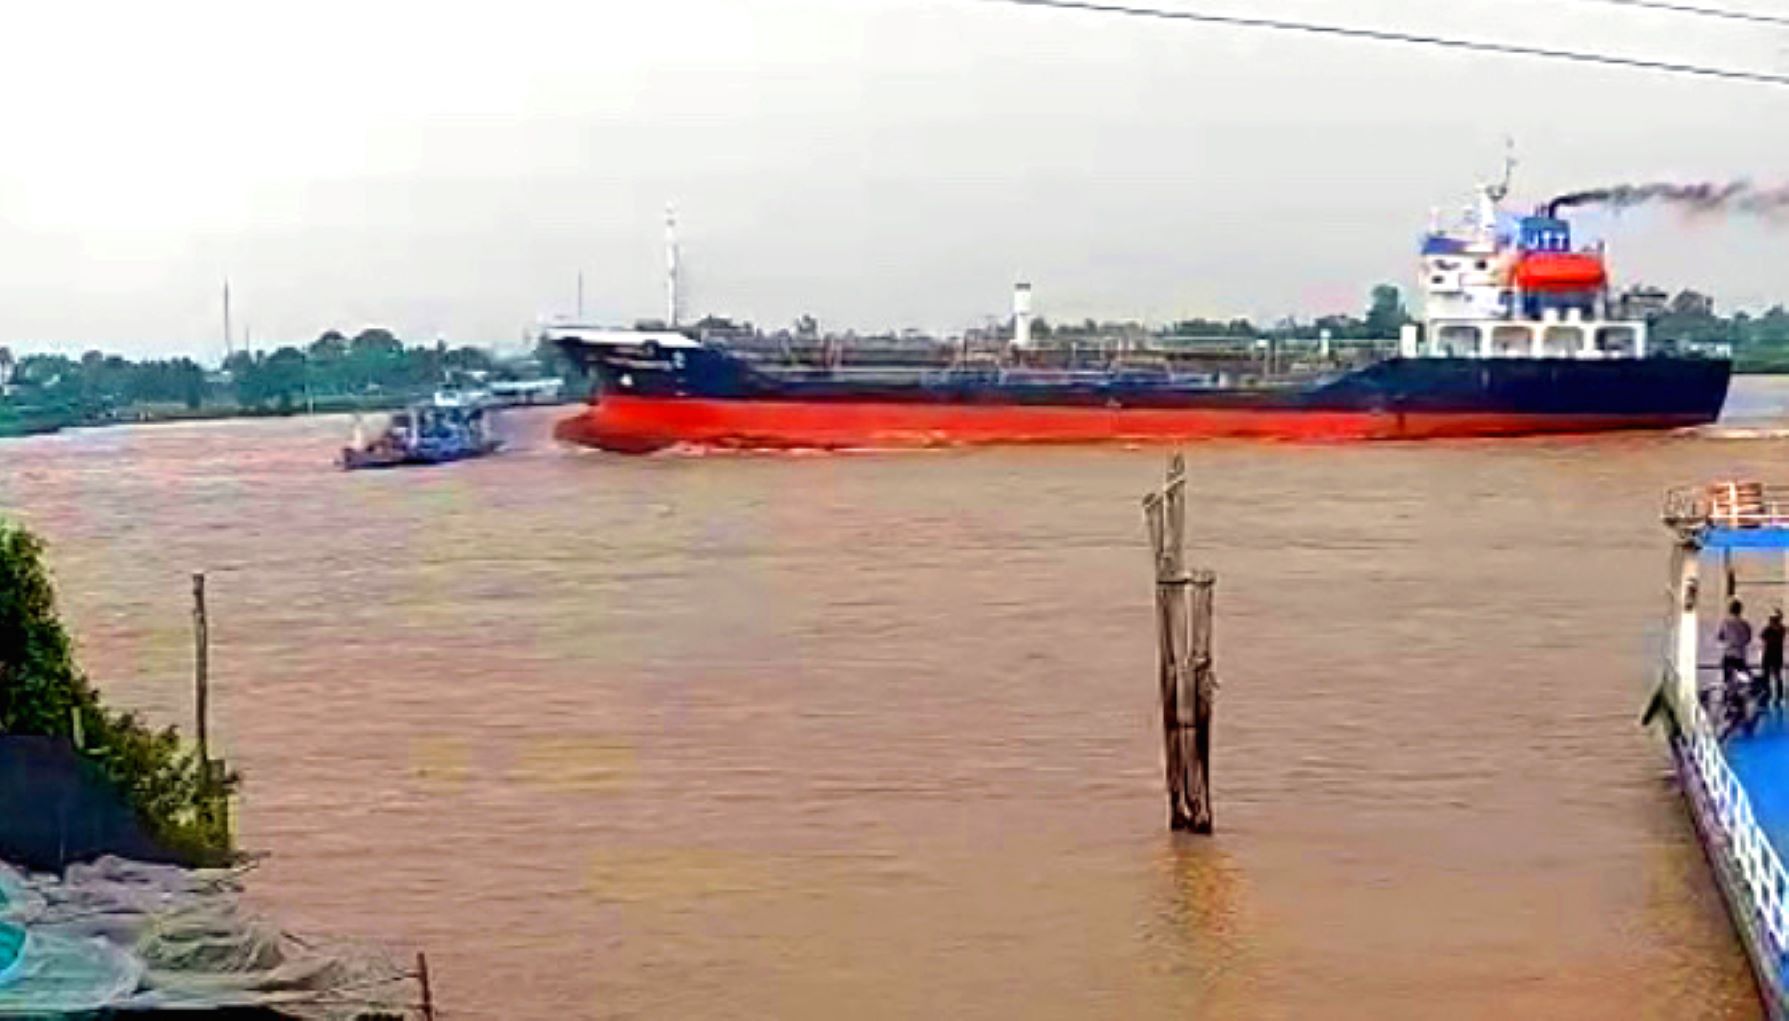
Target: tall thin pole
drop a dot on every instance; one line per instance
(201, 671)
(580, 296)
(422, 979)
(229, 346)
(671, 261)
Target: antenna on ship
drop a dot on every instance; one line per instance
(1500, 191)
(580, 318)
(670, 265)
(1491, 194)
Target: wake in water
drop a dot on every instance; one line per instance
(1740, 432)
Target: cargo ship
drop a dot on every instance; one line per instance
(1518, 335)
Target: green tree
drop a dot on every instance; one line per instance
(329, 346)
(244, 368)
(375, 359)
(43, 692)
(1691, 317)
(1386, 314)
(283, 377)
(1772, 328)
(375, 341)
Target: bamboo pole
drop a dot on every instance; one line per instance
(201, 671)
(1203, 686)
(1185, 677)
(211, 772)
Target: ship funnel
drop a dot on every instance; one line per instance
(1022, 315)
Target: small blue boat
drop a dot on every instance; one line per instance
(449, 428)
(1726, 722)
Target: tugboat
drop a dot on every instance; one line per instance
(1726, 724)
(1519, 336)
(450, 427)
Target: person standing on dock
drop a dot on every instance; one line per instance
(1735, 638)
(1772, 639)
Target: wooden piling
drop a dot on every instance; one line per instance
(1187, 682)
(211, 772)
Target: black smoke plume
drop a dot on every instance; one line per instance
(1705, 197)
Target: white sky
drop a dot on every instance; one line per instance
(448, 168)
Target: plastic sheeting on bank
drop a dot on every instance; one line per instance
(123, 935)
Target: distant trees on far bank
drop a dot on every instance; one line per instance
(97, 383)
(374, 362)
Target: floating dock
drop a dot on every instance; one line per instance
(1729, 739)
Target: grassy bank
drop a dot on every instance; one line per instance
(1762, 365)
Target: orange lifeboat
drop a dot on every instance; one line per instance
(1560, 271)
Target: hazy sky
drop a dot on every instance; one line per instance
(449, 169)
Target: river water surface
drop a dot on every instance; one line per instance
(874, 735)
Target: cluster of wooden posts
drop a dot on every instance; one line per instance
(1183, 630)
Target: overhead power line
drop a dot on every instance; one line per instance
(1723, 13)
(1412, 38)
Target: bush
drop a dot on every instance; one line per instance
(43, 692)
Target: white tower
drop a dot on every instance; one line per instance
(1021, 315)
(670, 266)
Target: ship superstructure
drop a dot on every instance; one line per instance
(1503, 286)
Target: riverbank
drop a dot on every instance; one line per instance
(16, 422)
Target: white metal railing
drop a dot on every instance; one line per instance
(1736, 504)
(1757, 860)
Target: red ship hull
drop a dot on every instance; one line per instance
(640, 425)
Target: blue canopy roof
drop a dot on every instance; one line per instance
(1745, 538)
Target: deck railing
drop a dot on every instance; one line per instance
(1759, 864)
(1738, 504)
